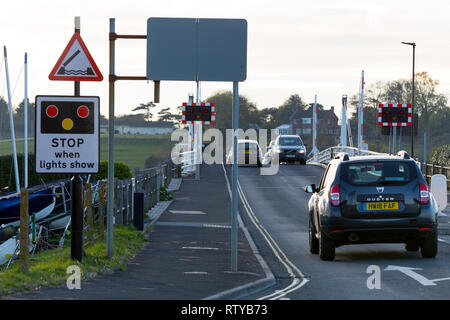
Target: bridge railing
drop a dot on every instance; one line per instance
(187, 157)
(328, 154)
(427, 169)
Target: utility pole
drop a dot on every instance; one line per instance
(344, 121)
(413, 44)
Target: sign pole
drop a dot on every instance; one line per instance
(234, 198)
(314, 142)
(76, 251)
(198, 140)
(110, 213)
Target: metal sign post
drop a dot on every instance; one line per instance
(67, 138)
(205, 60)
(234, 179)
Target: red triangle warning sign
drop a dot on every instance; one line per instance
(76, 63)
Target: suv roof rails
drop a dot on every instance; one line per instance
(403, 154)
(342, 156)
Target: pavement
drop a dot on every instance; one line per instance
(187, 255)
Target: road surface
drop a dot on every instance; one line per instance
(274, 209)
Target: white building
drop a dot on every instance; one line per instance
(138, 127)
(284, 129)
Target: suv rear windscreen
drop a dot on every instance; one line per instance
(291, 142)
(378, 173)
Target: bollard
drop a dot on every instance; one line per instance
(138, 219)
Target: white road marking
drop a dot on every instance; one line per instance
(442, 279)
(195, 272)
(200, 248)
(291, 268)
(186, 212)
(411, 273)
(442, 240)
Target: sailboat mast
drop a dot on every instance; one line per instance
(11, 121)
(25, 120)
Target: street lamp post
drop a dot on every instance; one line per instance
(413, 44)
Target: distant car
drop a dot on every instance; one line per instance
(249, 153)
(372, 199)
(288, 148)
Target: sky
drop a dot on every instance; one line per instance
(294, 47)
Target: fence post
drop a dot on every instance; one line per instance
(24, 238)
(116, 200)
(159, 179)
(120, 201)
(133, 190)
(147, 192)
(89, 218)
(101, 218)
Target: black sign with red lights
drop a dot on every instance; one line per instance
(203, 112)
(67, 117)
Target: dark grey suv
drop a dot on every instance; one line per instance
(372, 199)
(289, 148)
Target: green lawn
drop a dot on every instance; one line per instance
(134, 149)
(131, 149)
(49, 267)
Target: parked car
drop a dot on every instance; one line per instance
(288, 148)
(249, 153)
(372, 199)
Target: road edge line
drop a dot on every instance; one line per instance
(252, 287)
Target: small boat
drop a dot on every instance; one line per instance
(41, 203)
(7, 250)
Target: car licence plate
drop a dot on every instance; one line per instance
(372, 206)
(290, 155)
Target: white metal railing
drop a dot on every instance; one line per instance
(187, 157)
(326, 155)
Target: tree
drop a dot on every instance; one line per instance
(431, 106)
(19, 118)
(223, 101)
(146, 107)
(274, 117)
(132, 117)
(4, 119)
(166, 115)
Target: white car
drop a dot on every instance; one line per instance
(249, 153)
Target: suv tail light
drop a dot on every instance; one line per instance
(424, 194)
(334, 196)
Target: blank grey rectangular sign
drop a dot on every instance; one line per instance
(196, 49)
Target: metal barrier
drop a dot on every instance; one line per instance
(427, 169)
(187, 157)
(326, 155)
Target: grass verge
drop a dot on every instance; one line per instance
(48, 268)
